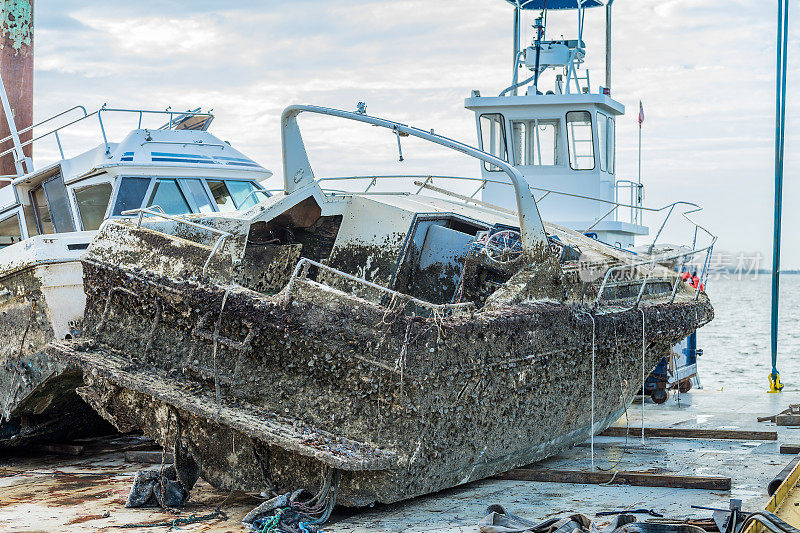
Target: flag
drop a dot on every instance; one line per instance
(641, 114)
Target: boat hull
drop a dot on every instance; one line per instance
(43, 302)
(267, 392)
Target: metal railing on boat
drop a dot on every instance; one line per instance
(302, 268)
(635, 207)
(220, 242)
(99, 113)
(651, 262)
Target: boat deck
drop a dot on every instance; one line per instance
(88, 492)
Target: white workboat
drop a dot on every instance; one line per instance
(559, 131)
(48, 217)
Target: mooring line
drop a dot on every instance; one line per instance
(644, 349)
(591, 429)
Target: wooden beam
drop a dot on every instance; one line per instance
(788, 419)
(639, 479)
(692, 433)
(790, 449)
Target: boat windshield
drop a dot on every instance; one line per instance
(180, 196)
(10, 230)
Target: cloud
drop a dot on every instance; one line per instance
(704, 69)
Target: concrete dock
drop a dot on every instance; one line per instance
(87, 492)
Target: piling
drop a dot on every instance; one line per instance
(16, 66)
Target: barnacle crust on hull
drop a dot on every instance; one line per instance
(382, 336)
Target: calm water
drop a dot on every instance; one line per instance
(736, 343)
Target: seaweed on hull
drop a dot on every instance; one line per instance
(382, 346)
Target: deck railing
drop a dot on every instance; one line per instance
(303, 266)
(623, 187)
(157, 211)
(85, 116)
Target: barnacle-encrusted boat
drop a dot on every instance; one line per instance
(409, 342)
(49, 215)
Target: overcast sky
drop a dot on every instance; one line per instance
(703, 68)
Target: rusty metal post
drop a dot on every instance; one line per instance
(16, 67)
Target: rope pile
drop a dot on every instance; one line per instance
(290, 513)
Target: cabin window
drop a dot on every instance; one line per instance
(131, 194)
(602, 139)
(612, 133)
(168, 196)
(240, 190)
(55, 193)
(493, 138)
(10, 231)
(92, 204)
(221, 195)
(44, 223)
(580, 140)
(605, 142)
(231, 195)
(199, 195)
(535, 142)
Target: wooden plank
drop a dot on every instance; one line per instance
(147, 456)
(692, 433)
(790, 449)
(639, 479)
(788, 419)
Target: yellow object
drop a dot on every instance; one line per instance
(775, 385)
(783, 503)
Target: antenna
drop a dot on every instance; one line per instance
(539, 27)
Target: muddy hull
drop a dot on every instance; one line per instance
(37, 396)
(267, 393)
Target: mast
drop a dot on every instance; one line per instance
(608, 45)
(16, 66)
(517, 22)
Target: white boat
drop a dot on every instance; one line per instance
(559, 131)
(385, 344)
(49, 215)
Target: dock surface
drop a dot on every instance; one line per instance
(87, 492)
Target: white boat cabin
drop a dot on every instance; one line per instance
(562, 139)
(175, 168)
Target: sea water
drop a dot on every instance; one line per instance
(736, 344)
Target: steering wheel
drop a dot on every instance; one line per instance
(504, 247)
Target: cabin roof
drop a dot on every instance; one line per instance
(199, 151)
(565, 101)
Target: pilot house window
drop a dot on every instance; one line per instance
(169, 197)
(131, 194)
(92, 204)
(535, 142)
(602, 139)
(605, 142)
(580, 140)
(10, 231)
(493, 138)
